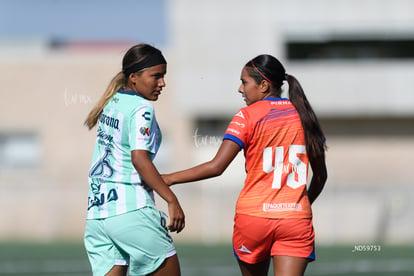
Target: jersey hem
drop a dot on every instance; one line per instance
(276, 217)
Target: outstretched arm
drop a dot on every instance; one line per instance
(215, 167)
(319, 177)
(150, 174)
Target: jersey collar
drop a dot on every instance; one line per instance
(275, 99)
(129, 92)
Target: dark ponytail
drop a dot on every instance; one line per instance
(267, 67)
(315, 139)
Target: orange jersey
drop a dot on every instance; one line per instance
(271, 134)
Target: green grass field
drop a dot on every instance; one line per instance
(66, 259)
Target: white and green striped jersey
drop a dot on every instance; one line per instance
(127, 123)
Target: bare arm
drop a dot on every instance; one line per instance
(149, 173)
(319, 177)
(215, 167)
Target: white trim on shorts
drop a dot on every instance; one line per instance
(121, 262)
(171, 253)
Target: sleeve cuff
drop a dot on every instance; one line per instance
(234, 139)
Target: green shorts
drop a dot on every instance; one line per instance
(138, 239)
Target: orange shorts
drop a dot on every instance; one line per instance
(256, 239)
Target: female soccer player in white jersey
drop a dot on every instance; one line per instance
(123, 228)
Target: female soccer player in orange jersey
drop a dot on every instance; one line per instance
(279, 137)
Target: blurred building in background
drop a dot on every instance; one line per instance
(354, 59)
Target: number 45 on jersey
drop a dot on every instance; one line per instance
(293, 167)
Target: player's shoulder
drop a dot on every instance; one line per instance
(256, 109)
(142, 103)
(131, 100)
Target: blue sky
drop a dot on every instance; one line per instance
(85, 20)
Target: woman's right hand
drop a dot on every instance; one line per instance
(177, 217)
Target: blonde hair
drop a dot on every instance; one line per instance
(116, 83)
(134, 55)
